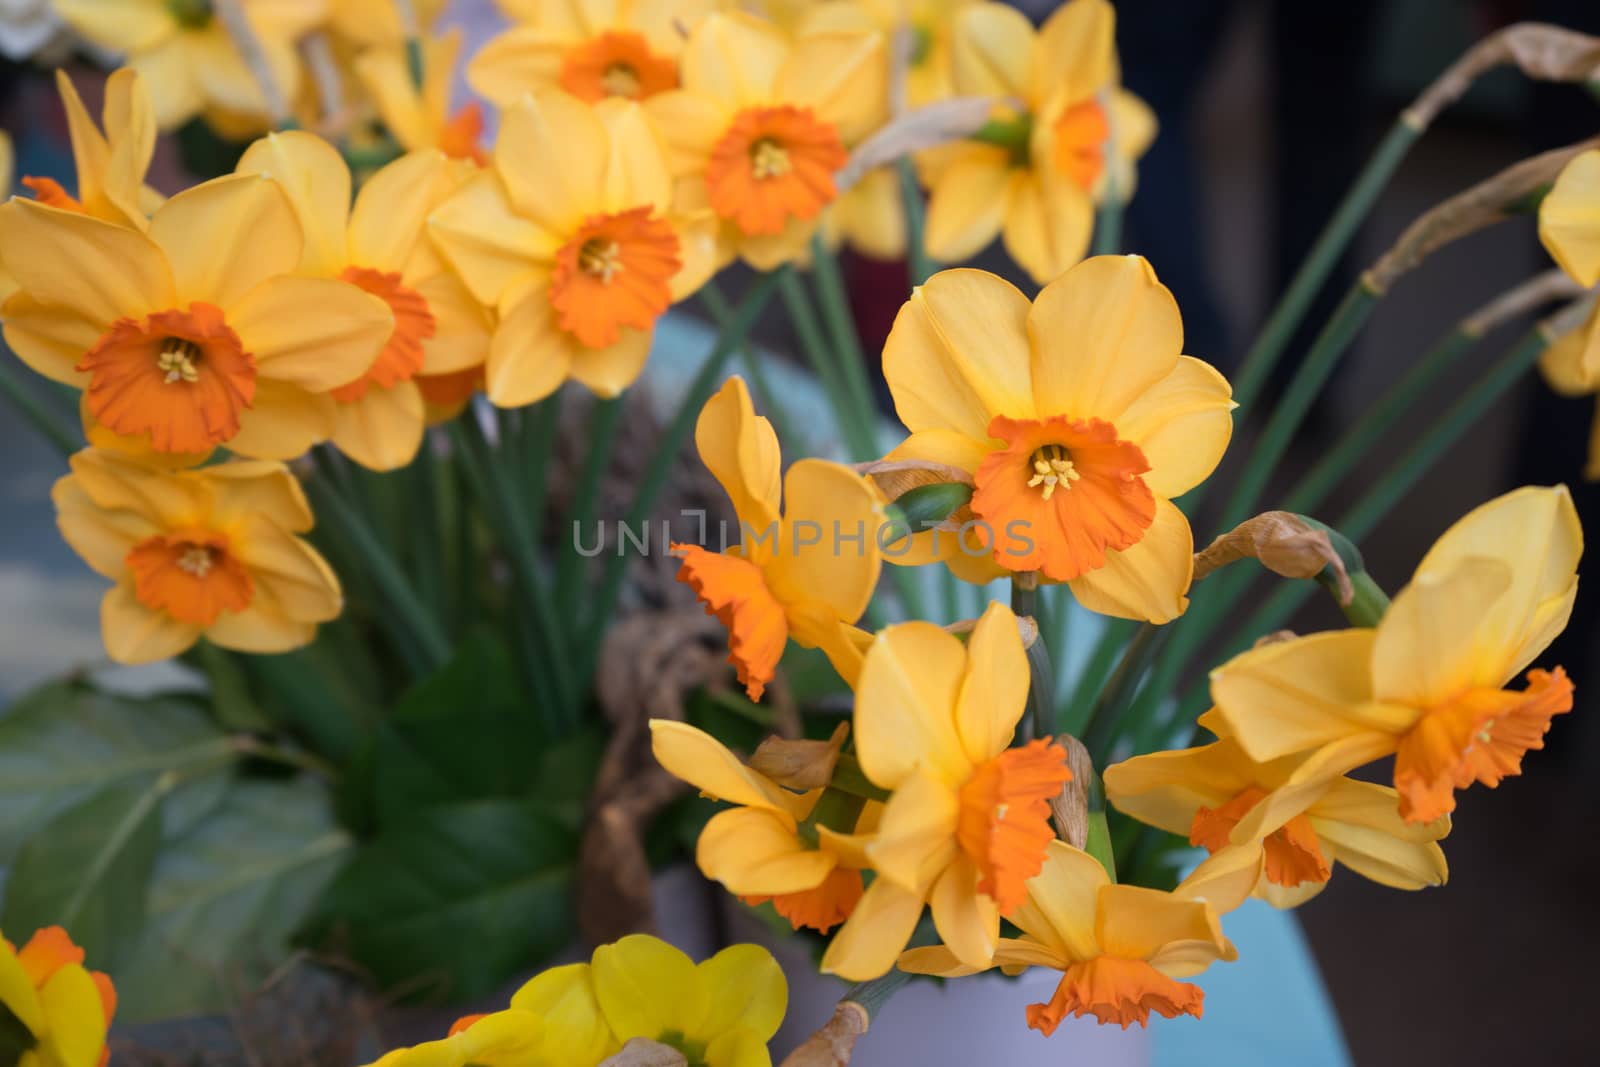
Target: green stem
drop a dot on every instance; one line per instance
(51, 424)
(427, 518)
(1319, 263)
(920, 267)
(666, 454)
(1108, 222)
(1041, 680)
(1312, 375)
(846, 341)
(1087, 689)
(873, 995)
(721, 314)
(850, 778)
(605, 420)
(1100, 732)
(815, 347)
(541, 424)
(406, 611)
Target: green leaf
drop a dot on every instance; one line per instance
(923, 508)
(224, 899)
(66, 741)
(88, 868)
(456, 900)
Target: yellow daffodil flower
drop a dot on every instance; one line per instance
(809, 560)
(581, 259)
(719, 1013)
(193, 334)
(111, 166)
(1076, 417)
(754, 848)
(1120, 948)
(210, 552)
(1428, 684)
(763, 123)
(968, 817)
(186, 57)
(509, 1038)
(593, 49)
(1037, 178)
(420, 118)
(379, 245)
(65, 1008)
(1569, 226)
(1268, 834)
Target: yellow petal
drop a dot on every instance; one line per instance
(316, 333)
(992, 51)
(225, 79)
(738, 1048)
(463, 328)
(1049, 223)
(636, 172)
(285, 421)
(1104, 334)
(135, 634)
(1425, 653)
(545, 126)
(260, 629)
(166, 70)
(1063, 899)
(606, 372)
(916, 838)
(489, 245)
(647, 988)
(1149, 581)
(735, 58)
(1537, 533)
(843, 76)
(116, 482)
(71, 1002)
(529, 357)
(1076, 54)
(1571, 366)
(49, 338)
(871, 216)
(936, 960)
(17, 992)
(129, 25)
(1569, 219)
(516, 61)
(1286, 897)
(740, 449)
(994, 688)
(867, 945)
(691, 124)
(291, 577)
(958, 354)
(227, 236)
(103, 537)
(1360, 825)
(98, 270)
(382, 431)
(313, 175)
(754, 852)
(747, 991)
(1182, 424)
(1137, 923)
(392, 208)
(967, 203)
(702, 761)
(575, 1031)
(1165, 789)
(1225, 879)
(905, 706)
(828, 548)
(968, 921)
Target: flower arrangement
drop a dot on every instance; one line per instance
(348, 409)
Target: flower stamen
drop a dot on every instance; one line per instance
(1053, 467)
(600, 258)
(179, 360)
(769, 159)
(620, 79)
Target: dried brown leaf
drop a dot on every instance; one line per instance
(1283, 542)
(832, 1045)
(801, 764)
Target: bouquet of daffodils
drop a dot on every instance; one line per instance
(989, 706)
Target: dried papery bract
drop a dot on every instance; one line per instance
(1070, 808)
(640, 1052)
(1546, 288)
(833, 1045)
(1541, 51)
(1282, 542)
(800, 764)
(926, 127)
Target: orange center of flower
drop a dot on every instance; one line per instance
(1082, 133)
(822, 908)
(616, 271)
(183, 377)
(190, 575)
(49, 192)
(1115, 990)
(734, 590)
(1060, 494)
(401, 357)
(1003, 823)
(462, 136)
(1293, 853)
(1480, 736)
(616, 63)
(774, 164)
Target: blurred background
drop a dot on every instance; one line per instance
(1268, 109)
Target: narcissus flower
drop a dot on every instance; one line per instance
(755, 849)
(111, 166)
(211, 553)
(581, 259)
(968, 817)
(1078, 420)
(1569, 225)
(186, 57)
(593, 49)
(809, 560)
(191, 335)
(64, 1009)
(379, 246)
(420, 118)
(763, 123)
(720, 1012)
(1035, 175)
(1428, 685)
(1270, 834)
(1121, 948)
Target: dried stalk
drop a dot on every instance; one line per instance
(1070, 807)
(1567, 319)
(926, 127)
(236, 23)
(1542, 52)
(1546, 288)
(833, 1045)
(1481, 206)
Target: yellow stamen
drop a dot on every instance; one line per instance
(196, 560)
(620, 79)
(602, 259)
(1052, 468)
(178, 359)
(768, 159)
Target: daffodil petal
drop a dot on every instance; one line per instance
(97, 270)
(1062, 901)
(315, 178)
(382, 430)
(991, 52)
(870, 941)
(1076, 54)
(226, 236)
(1049, 223)
(1182, 424)
(1166, 789)
(537, 129)
(1571, 365)
(746, 990)
(70, 1000)
(488, 243)
(285, 421)
(915, 840)
(1138, 923)
(967, 205)
(50, 338)
(134, 633)
(1226, 878)
(968, 921)
(738, 1048)
(740, 449)
(1149, 581)
(1425, 652)
(1382, 857)
(529, 357)
(994, 688)
(316, 333)
(608, 371)
(701, 760)
(904, 703)
(829, 549)
(575, 1030)
(754, 852)
(648, 988)
(1569, 219)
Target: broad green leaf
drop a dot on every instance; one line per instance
(64, 742)
(88, 868)
(225, 897)
(456, 900)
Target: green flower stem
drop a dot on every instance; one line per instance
(407, 612)
(842, 331)
(605, 421)
(535, 449)
(850, 778)
(1268, 451)
(1113, 637)
(1319, 263)
(857, 438)
(1041, 680)
(426, 503)
(1108, 220)
(722, 314)
(1114, 703)
(666, 454)
(38, 413)
(873, 995)
(1369, 603)
(918, 264)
